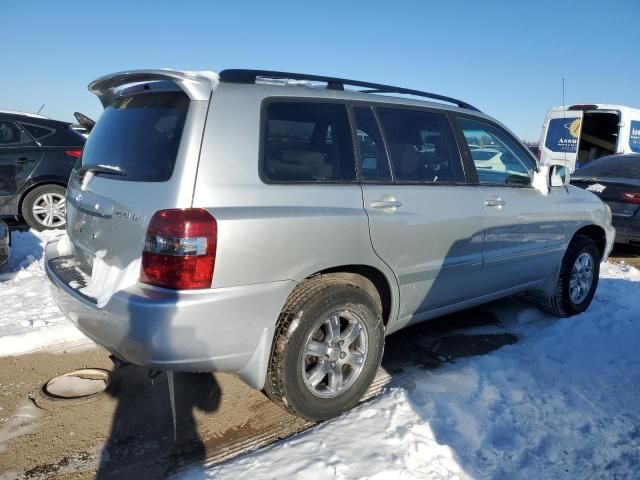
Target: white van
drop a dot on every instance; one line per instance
(577, 134)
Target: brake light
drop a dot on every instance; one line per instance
(631, 197)
(74, 153)
(180, 249)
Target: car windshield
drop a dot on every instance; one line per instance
(619, 166)
(138, 135)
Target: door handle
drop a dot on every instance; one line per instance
(386, 204)
(495, 202)
(22, 160)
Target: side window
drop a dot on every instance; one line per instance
(307, 142)
(10, 134)
(421, 145)
(374, 164)
(498, 159)
(35, 131)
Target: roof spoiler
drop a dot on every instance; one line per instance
(197, 85)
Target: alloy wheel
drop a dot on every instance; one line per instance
(581, 278)
(334, 354)
(49, 210)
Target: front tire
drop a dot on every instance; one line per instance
(43, 208)
(578, 279)
(327, 349)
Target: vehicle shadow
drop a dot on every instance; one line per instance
(141, 442)
(444, 340)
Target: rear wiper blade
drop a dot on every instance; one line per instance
(97, 169)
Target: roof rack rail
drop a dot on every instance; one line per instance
(250, 76)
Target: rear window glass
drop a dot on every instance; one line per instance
(307, 142)
(37, 132)
(139, 135)
(10, 134)
(612, 167)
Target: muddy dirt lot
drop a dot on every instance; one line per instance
(127, 432)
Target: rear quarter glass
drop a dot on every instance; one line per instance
(139, 134)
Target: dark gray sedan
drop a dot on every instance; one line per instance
(616, 180)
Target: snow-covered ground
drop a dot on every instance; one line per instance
(563, 402)
(29, 318)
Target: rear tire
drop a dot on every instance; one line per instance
(43, 208)
(326, 350)
(578, 279)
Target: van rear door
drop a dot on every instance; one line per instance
(560, 138)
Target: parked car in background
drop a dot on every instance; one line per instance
(535, 149)
(616, 180)
(578, 134)
(83, 124)
(36, 158)
(5, 243)
(279, 230)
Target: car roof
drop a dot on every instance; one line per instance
(27, 117)
(272, 86)
(200, 84)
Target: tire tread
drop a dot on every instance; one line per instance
(274, 384)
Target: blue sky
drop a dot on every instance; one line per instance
(505, 57)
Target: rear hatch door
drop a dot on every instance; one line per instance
(141, 157)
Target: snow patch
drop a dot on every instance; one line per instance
(29, 318)
(108, 279)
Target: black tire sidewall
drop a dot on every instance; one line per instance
(332, 299)
(27, 206)
(581, 246)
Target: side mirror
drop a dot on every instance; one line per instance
(558, 176)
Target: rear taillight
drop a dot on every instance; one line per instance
(631, 197)
(75, 153)
(180, 249)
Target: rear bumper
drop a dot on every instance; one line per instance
(200, 330)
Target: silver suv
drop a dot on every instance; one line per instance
(280, 225)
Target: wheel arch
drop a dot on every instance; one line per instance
(596, 233)
(370, 279)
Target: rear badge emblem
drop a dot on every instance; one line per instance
(596, 188)
(128, 215)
